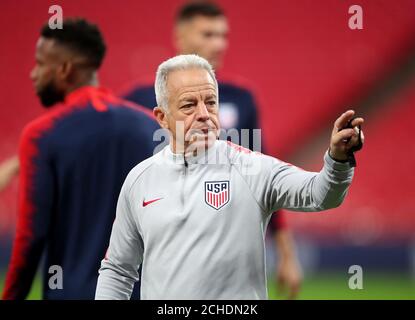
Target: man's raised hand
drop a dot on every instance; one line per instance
(344, 139)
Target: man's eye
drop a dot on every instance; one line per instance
(211, 103)
(187, 106)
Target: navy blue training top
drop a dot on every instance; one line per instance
(73, 162)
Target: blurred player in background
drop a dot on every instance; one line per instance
(73, 161)
(202, 28)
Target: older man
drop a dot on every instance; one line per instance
(194, 215)
(202, 28)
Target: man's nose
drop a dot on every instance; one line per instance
(202, 112)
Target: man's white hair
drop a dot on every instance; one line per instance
(180, 62)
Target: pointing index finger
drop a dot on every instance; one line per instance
(342, 121)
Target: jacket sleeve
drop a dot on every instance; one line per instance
(35, 207)
(118, 271)
(279, 185)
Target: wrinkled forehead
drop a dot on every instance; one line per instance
(190, 81)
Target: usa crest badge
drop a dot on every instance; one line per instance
(217, 193)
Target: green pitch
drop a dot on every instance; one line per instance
(326, 286)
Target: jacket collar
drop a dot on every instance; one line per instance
(86, 94)
(207, 157)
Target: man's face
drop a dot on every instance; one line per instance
(45, 74)
(192, 115)
(204, 36)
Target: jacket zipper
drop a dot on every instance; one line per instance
(186, 165)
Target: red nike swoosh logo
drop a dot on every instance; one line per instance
(150, 201)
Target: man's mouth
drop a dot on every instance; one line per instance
(37, 88)
(201, 130)
(200, 133)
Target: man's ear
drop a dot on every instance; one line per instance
(161, 116)
(65, 70)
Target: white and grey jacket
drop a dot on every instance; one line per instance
(197, 224)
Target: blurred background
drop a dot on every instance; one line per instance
(307, 67)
